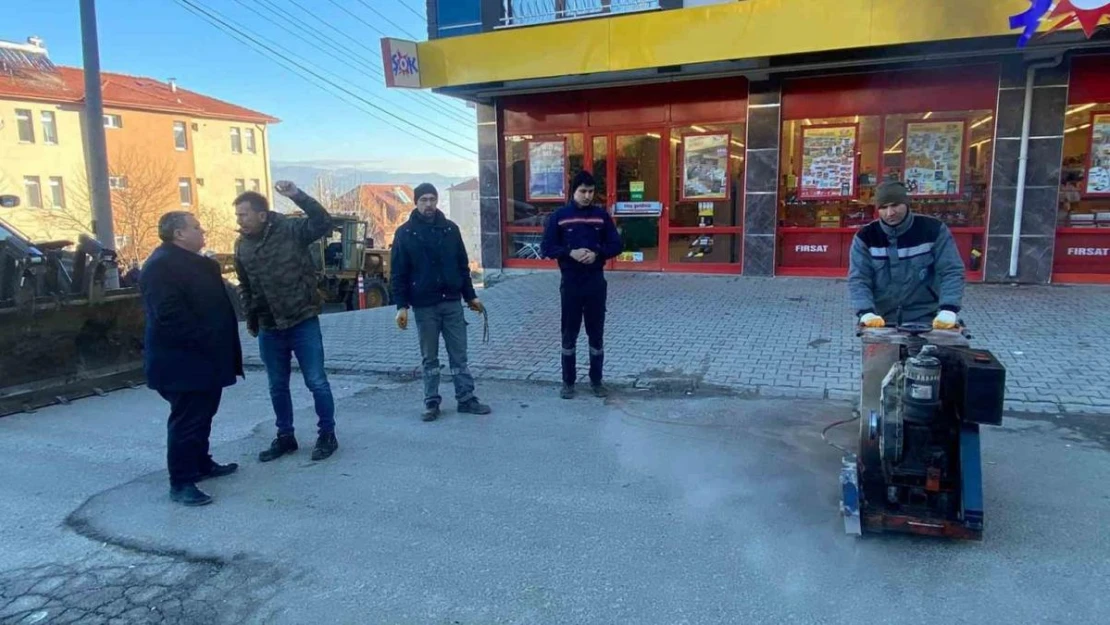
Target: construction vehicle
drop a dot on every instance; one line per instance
(63, 334)
(917, 467)
(349, 266)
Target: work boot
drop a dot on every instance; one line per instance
(283, 444)
(567, 392)
(431, 412)
(219, 470)
(326, 445)
(473, 406)
(189, 495)
(599, 390)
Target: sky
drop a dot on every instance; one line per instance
(162, 39)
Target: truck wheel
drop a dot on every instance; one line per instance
(376, 295)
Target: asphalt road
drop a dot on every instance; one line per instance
(641, 509)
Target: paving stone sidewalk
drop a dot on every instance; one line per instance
(781, 337)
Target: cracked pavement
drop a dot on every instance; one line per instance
(645, 508)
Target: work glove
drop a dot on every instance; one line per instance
(476, 305)
(945, 320)
(871, 320)
(403, 318)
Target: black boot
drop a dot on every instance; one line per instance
(473, 406)
(326, 445)
(283, 444)
(431, 412)
(189, 495)
(219, 470)
(567, 392)
(599, 389)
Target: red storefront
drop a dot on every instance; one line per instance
(842, 135)
(1082, 251)
(668, 158)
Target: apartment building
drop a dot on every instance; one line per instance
(168, 149)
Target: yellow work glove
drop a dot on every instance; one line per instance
(871, 320)
(403, 318)
(945, 320)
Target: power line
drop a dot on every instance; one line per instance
(412, 10)
(339, 57)
(430, 100)
(222, 24)
(388, 21)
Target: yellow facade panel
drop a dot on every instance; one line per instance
(734, 30)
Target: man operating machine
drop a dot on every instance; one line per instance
(924, 391)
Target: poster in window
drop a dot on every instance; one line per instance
(829, 163)
(547, 171)
(1098, 164)
(934, 158)
(705, 167)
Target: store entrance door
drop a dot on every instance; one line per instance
(628, 168)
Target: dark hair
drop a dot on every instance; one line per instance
(256, 200)
(582, 179)
(170, 223)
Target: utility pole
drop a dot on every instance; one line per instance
(94, 136)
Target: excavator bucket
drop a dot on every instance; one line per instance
(57, 351)
(63, 334)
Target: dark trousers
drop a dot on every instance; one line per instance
(583, 301)
(187, 432)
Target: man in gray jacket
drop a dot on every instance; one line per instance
(904, 268)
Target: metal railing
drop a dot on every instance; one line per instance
(527, 12)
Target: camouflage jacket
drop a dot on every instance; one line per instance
(277, 278)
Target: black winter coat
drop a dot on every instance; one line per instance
(192, 335)
(429, 263)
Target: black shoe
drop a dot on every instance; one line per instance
(599, 390)
(283, 444)
(567, 392)
(473, 406)
(219, 470)
(189, 495)
(431, 412)
(326, 445)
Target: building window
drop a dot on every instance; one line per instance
(240, 186)
(117, 182)
(180, 138)
(49, 128)
(113, 121)
(185, 190)
(33, 187)
(254, 185)
(236, 141)
(57, 192)
(250, 140)
(26, 126)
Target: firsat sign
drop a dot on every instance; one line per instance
(1089, 251)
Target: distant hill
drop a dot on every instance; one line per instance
(340, 177)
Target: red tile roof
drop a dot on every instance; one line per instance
(123, 91)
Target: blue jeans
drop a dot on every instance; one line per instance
(445, 319)
(277, 347)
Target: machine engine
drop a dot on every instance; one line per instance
(918, 467)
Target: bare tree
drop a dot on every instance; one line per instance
(220, 229)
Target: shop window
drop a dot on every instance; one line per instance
(538, 171)
(707, 194)
(1083, 217)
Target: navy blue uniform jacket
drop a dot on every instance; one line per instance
(192, 335)
(572, 227)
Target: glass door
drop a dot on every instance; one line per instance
(637, 199)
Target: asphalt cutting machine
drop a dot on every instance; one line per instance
(917, 468)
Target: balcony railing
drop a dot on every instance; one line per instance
(527, 12)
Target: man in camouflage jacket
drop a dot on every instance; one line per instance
(277, 282)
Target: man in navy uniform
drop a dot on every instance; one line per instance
(582, 238)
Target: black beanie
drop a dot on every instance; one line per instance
(423, 189)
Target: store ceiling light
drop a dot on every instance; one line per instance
(699, 129)
(1082, 107)
(928, 115)
(982, 121)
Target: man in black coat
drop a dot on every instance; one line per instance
(192, 349)
(431, 273)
